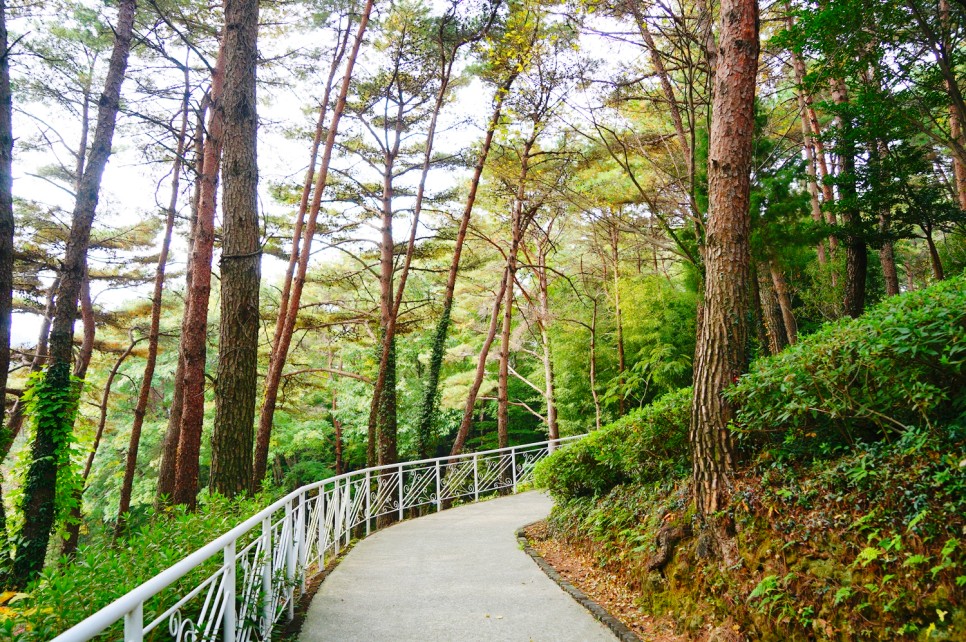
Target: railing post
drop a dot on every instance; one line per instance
(336, 522)
(476, 478)
(320, 534)
(346, 509)
(228, 620)
(513, 467)
(439, 496)
(402, 496)
(368, 502)
(134, 624)
(303, 549)
(291, 552)
(268, 593)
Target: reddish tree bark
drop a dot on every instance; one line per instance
(276, 360)
(281, 348)
(144, 393)
(169, 449)
(887, 256)
(959, 168)
(828, 196)
(934, 260)
(811, 172)
(725, 321)
(543, 299)
(431, 394)
(774, 325)
(474, 391)
(784, 302)
(519, 221)
(87, 337)
(195, 335)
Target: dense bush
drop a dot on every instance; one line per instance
(647, 445)
(102, 572)
(903, 364)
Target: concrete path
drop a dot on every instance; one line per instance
(455, 575)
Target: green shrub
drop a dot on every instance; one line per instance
(305, 472)
(102, 572)
(647, 445)
(900, 365)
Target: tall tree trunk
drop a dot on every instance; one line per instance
(87, 320)
(172, 435)
(856, 251)
(811, 172)
(144, 393)
(6, 246)
(281, 348)
(503, 389)
(86, 305)
(757, 300)
(389, 332)
(431, 394)
(194, 336)
(41, 481)
(828, 196)
(446, 70)
(593, 366)
(543, 298)
(276, 360)
(76, 513)
(618, 321)
(474, 391)
(232, 441)
(383, 426)
(518, 226)
(955, 118)
(36, 363)
(771, 313)
(724, 325)
(887, 257)
(934, 261)
(382, 416)
(959, 168)
(336, 424)
(784, 302)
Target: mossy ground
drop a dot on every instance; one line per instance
(864, 546)
(847, 517)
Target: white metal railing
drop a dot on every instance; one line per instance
(264, 561)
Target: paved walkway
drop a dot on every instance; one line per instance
(458, 575)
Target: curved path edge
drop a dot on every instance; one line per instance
(458, 575)
(623, 633)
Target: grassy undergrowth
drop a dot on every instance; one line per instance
(102, 571)
(849, 512)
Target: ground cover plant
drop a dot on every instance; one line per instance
(103, 569)
(847, 524)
